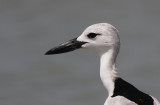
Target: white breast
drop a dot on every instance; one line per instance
(119, 100)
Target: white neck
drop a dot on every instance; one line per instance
(107, 69)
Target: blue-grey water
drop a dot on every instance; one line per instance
(28, 28)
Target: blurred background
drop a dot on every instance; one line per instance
(29, 28)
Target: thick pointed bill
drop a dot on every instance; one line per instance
(71, 45)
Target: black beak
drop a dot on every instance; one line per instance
(71, 45)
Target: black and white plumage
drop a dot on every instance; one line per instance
(104, 39)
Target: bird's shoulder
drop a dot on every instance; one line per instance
(125, 89)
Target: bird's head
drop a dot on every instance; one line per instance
(99, 37)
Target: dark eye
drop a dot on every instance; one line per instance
(92, 35)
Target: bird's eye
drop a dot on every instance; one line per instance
(92, 35)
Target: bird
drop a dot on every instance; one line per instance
(103, 38)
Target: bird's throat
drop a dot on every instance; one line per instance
(108, 69)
